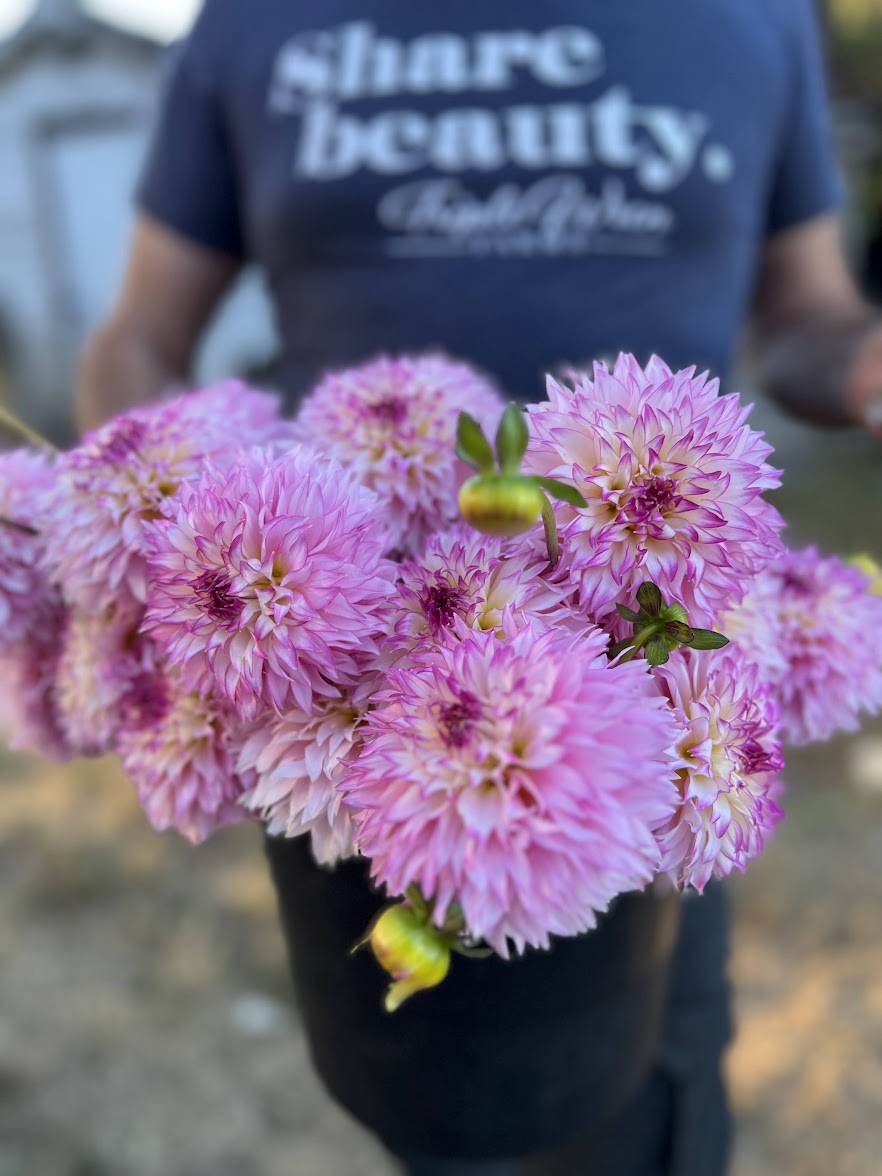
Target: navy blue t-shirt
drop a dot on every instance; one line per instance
(519, 183)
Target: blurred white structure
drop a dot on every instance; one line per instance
(77, 97)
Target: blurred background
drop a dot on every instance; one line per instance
(145, 1028)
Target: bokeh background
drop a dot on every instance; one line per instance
(145, 1025)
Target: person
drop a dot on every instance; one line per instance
(520, 184)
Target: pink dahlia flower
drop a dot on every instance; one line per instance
(29, 707)
(270, 583)
(730, 758)
(673, 477)
(393, 423)
(814, 628)
(520, 778)
(106, 672)
(480, 580)
(128, 472)
(183, 762)
(298, 760)
(27, 600)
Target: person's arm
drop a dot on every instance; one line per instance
(817, 344)
(171, 288)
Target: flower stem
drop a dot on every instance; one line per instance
(16, 425)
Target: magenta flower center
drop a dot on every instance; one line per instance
(215, 596)
(655, 496)
(125, 440)
(392, 410)
(456, 720)
(146, 702)
(440, 603)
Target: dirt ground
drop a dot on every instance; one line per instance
(145, 1028)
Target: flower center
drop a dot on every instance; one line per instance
(216, 598)
(440, 603)
(654, 496)
(392, 410)
(123, 442)
(456, 719)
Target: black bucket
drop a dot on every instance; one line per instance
(503, 1059)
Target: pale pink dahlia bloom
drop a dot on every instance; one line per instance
(270, 583)
(27, 599)
(814, 628)
(480, 580)
(520, 778)
(105, 677)
(393, 423)
(128, 472)
(673, 477)
(729, 761)
(183, 762)
(298, 760)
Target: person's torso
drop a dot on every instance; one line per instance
(516, 183)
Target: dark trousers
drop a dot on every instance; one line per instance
(678, 1124)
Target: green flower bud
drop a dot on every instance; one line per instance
(866, 564)
(500, 504)
(413, 952)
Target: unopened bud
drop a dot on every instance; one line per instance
(413, 952)
(866, 564)
(500, 504)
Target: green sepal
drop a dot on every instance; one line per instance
(416, 900)
(628, 614)
(472, 446)
(676, 612)
(551, 541)
(511, 439)
(680, 633)
(619, 647)
(471, 953)
(657, 652)
(707, 639)
(564, 491)
(650, 598)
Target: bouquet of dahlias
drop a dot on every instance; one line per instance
(520, 679)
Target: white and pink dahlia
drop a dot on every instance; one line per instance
(105, 677)
(673, 477)
(128, 472)
(729, 761)
(297, 761)
(182, 761)
(480, 580)
(520, 778)
(393, 423)
(270, 583)
(813, 626)
(27, 599)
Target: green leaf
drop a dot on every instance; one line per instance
(650, 598)
(511, 439)
(472, 446)
(681, 633)
(565, 491)
(657, 651)
(707, 639)
(628, 614)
